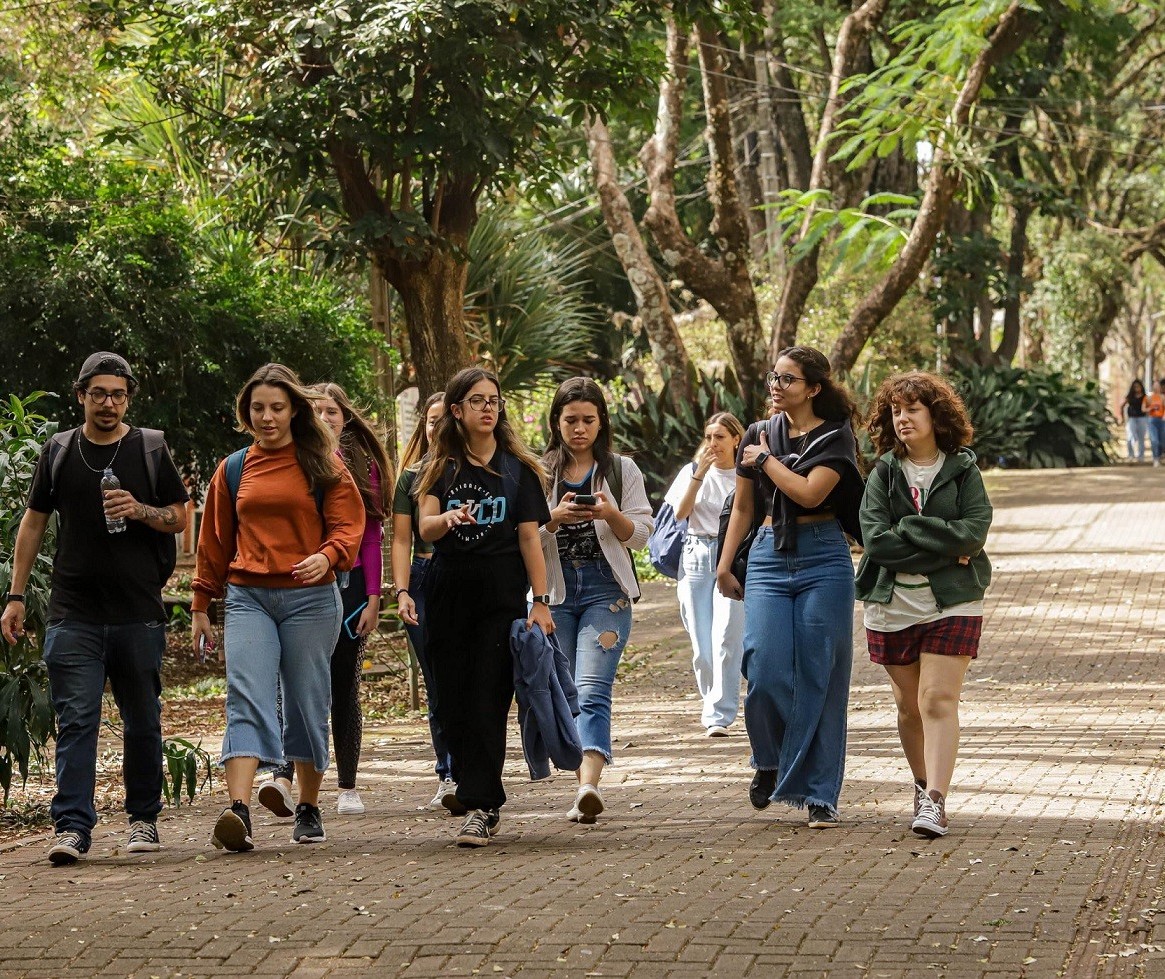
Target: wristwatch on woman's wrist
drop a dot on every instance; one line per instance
(541, 599)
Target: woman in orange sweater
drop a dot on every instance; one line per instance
(274, 540)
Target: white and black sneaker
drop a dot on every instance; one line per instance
(450, 801)
(478, 827)
(143, 837)
(822, 817)
(68, 848)
(931, 821)
(309, 825)
(274, 795)
(233, 829)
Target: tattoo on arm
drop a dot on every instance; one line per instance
(164, 515)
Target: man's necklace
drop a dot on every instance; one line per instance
(116, 449)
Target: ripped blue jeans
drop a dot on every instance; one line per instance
(592, 625)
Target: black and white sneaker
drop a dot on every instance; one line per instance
(233, 829)
(143, 837)
(309, 825)
(822, 817)
(68, 848)
(477, 828)
(450, 801)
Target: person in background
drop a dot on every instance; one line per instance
(1155, 411)
(481, 497)
(599, 510)
(925, 517)
(803, 489)
(410, 564)
(363, 453)
(715, 624)
(273, 544)
(106, 619)
(1135, 419)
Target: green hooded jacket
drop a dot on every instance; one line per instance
(954, 522)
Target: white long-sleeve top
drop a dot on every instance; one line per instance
(634, 506)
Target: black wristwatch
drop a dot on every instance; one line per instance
(14, 597)
(761, 460)
(541, 599)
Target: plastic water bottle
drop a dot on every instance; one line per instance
(115, 525)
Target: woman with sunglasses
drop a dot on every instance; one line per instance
(482, 499)
(411, 556)
(798, 483)
(599, 511)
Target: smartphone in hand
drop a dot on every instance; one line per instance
(585, 499)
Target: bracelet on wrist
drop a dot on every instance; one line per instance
(697, 479)
(401, 591)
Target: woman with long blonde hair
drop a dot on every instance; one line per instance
(481, 496)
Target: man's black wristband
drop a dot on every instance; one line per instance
(13, 597)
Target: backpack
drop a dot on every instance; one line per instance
(153, 445)
(665, 546)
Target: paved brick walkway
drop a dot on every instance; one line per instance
(1052, 867)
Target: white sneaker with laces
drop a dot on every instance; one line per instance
(349, 803)
(445, 786)
(589, 804)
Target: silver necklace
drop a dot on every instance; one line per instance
(116, 449)
(929, 462)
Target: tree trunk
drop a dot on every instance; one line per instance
(1014, 26)
(651, 297)
(1013, 301)
(802, 275)
(432, 293)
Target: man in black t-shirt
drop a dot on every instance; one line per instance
(106, 620)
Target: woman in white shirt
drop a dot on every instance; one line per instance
(715, 624)
(598, 511)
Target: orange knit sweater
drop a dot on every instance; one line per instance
(278, 526)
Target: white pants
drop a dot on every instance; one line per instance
(715, 625)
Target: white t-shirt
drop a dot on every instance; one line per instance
(912, 602)
(704, 520)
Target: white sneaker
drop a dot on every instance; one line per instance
(349, 803)
(273, 795)
(588, 803)
(446, 798)
(717, 731)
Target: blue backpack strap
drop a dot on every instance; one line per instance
(233, 472)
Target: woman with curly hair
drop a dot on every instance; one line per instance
(925, 517)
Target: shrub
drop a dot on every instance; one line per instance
(26, 715)
(661, 434)
(1035, 419)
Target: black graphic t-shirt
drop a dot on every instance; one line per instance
(101, 577)
(499, 504)
(578, 541)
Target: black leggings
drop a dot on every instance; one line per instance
(347, 666)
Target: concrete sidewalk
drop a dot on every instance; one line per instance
(1052, 867)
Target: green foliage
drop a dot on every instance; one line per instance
(26, 716)
(865, 237)
(662, 434)
(100, 255)
(524, 305)
(1035, 419)
(184, 762)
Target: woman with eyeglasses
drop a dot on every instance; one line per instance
(599, 513)
(482, 499)
(411, 556)
(798, 483)
(367, 461)
(714, 623)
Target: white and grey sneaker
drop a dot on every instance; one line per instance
(68, 848)
(445, 787)
(588, 803)
(919, 795)
(349, 803)
(143, 837)
(274, 795)
(931, 820)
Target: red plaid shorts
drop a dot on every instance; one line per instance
(957, 635)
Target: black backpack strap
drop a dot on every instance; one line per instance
(511, 475)
(58, 447)
(153, 445)
(615, 479)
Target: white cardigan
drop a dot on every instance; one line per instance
(634, 506)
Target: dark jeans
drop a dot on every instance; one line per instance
(347, 669)
(80, 656)
(418, 571)
(471, 605)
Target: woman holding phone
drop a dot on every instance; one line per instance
(411, 556)
(599, 511)
(366, 460)
(481, 498)
(273, 542)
